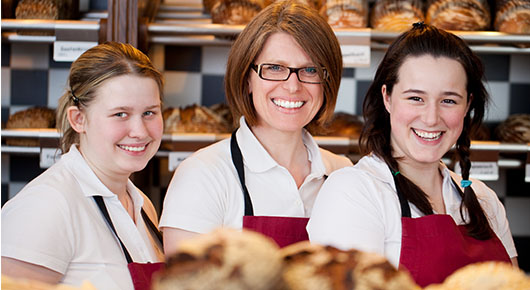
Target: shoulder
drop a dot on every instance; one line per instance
(333, 161)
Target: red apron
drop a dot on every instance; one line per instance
(141, 273)
(283, 230)
(433, 246)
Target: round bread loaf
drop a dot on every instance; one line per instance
(485, 276)
(32, 118)
(515, 129)
(311, 266)
(345, 125)
(224, 259)
(194, 119)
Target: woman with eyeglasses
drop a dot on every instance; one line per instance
(282, 79)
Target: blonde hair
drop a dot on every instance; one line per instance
(90, 70)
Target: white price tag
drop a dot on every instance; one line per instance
(527, 173)
(175, 158)
(483, 170)
(355, 55)
(68, 51)
(48, 156)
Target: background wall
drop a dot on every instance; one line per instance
(30, 77)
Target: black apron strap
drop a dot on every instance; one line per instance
(237, 159)
(405, 207)
(152, 226)
(105, 212)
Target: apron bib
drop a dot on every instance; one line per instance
(433, 246)
(283, 230)
(141, 273)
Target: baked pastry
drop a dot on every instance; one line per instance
(346, 13)
(459, 14)
(396, 16)
(515, 129)
(513, 16)
(311, 266)
(193, 119)
(235, 12)
(485, 276)
(345, 125)
(223, 259)
(32, 118)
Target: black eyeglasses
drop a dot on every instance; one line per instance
(278, 72)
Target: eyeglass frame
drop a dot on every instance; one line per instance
(258, 70)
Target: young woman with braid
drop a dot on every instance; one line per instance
(400, 200)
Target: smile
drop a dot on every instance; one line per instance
(133, 148)
(288, 104)
(428, 135)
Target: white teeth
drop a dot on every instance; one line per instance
(133, 149)
(287, 104)
(427, 135)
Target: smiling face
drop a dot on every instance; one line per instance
(122, 128)
(427, 108)
(284, 105)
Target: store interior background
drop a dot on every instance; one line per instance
(194, 75)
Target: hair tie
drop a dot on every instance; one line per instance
(465, 183)
(420, 24)
(395, 173)
(74, 98)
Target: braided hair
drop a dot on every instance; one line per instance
(421, 40)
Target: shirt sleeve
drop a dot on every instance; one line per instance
(194, 199)
(347, 214)
(36, 228)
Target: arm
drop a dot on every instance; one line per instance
(19, 269)
(172, 239)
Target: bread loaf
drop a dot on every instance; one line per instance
(459, 14)
(235, 12)
(346, 13)
(515, 129)
(194, 119)
(513, 16)
(32, 118)
(397, 16)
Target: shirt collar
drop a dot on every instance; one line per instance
(89, 183)
(257, 159)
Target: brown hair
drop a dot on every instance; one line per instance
(309, 30)
(90, 70)
(421, 40)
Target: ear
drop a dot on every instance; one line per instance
(386, 98)
(77, 118)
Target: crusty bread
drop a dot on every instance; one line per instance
(311, 266)
(194, 119)
(32, 118)
(398, 16)
(345, 125)
(485, 276)
(223, 259)
(235, 12)
(346, 13)
(459, 14)
(515, 129)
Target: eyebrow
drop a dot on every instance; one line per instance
(446, 93)
(125, 108)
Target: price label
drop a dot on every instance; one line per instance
(527, 170)
(48, 157)
(355, 47)
(175, 158)
(484, 163)
(68, 51)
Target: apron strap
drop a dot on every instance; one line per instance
(152, 227)
(404, 204)
(105, 212)
(237, 159)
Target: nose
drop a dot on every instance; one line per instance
(431, 114)
(292, 84)
(137, 128)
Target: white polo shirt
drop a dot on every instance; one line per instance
(54, 222)
(358, 207)
(205, 192)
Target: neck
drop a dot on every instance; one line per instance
(425, 176)
(286, 148)
(116, 183)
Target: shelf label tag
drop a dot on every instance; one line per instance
(355, 48)
(68, 51)
(527, 170)
(175, 158)
(484, 165)
(48, 157)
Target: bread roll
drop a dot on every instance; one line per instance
(345, 125)
(346, 13)
(515, 129)
(32, 118)
(459, 14)
(397, 16)
(235, 12)
(224, 259)
(311, 266)
(513, 16)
